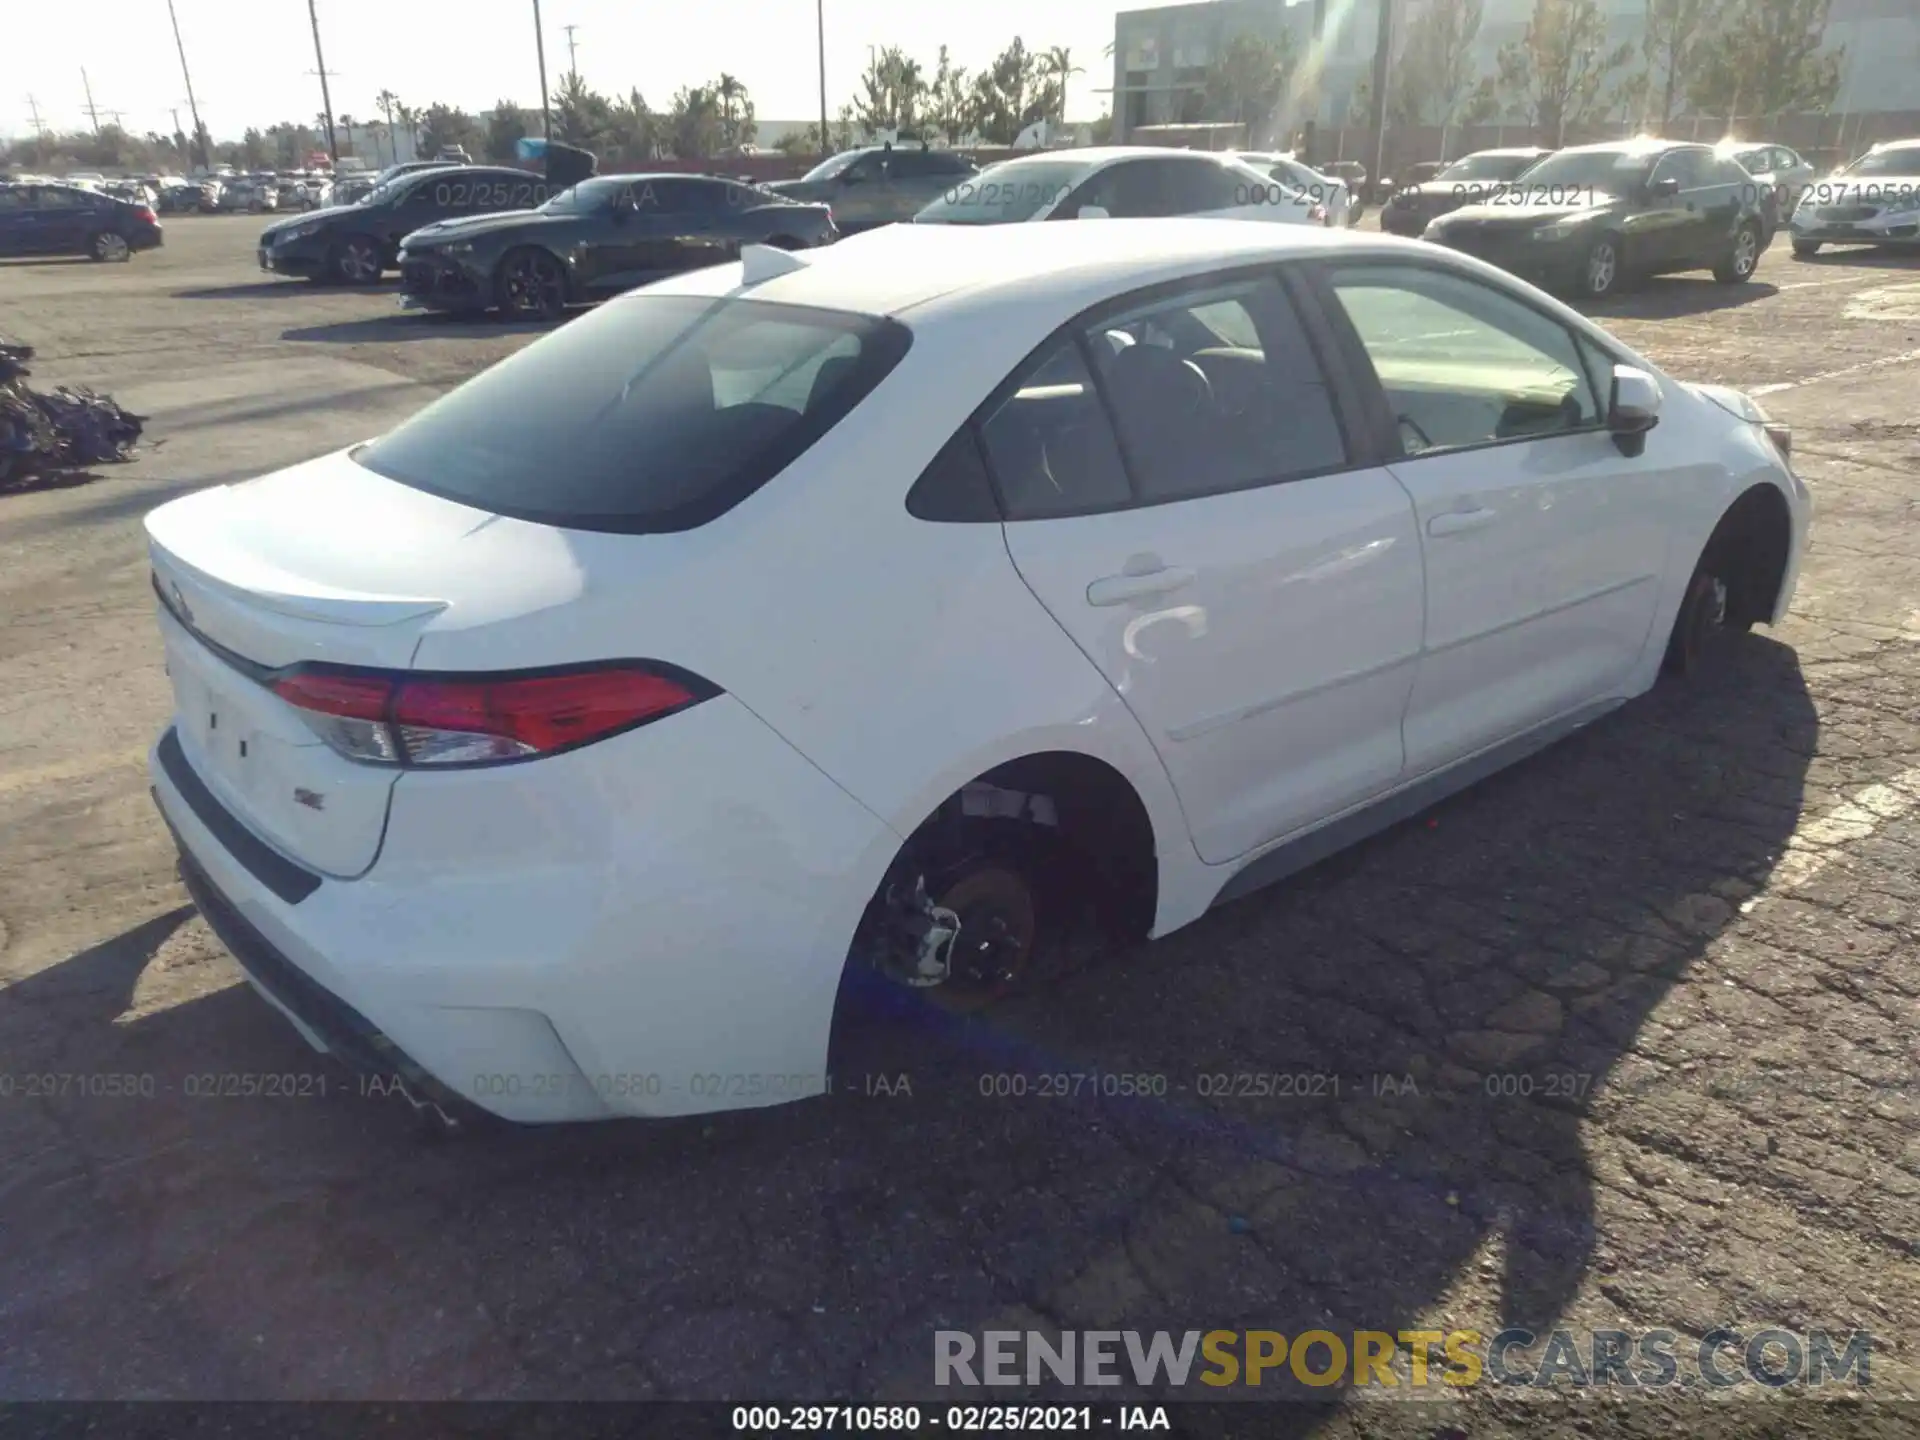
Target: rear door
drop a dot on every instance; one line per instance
(1544, 545)
(1182, 495)
(64, 219)
(1721, 195)
(17, 221)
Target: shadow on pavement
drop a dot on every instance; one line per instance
(390, 328)
(1674, 297)
(1494, 962)
(1865, 257)
(287, 287)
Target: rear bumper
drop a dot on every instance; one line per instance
(655, 925)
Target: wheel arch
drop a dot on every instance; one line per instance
(1754, 539)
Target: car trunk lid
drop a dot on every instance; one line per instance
(325, 563)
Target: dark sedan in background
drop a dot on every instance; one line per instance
(355, 244)
(51, 219)
(1596, 217)
(1468, 179)
(605, 235)
(879, 184)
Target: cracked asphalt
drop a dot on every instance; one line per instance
(1622, 1038)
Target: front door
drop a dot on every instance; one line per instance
(1183, 497)
(1544, 544)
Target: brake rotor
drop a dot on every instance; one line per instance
(994, 949)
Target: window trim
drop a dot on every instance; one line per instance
(1387, 429)
(1346, 399)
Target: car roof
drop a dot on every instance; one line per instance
(899, 268)
(1896, 145)
(1638, 145)
(1513, 150)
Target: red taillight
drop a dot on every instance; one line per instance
(1319, 213)
(146, 214)
(452, 720)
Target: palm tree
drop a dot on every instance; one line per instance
(729, 91)
(1057, 65)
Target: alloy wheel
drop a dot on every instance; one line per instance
(109, 246)
(359, 265)
(533, 287)
(1603, 265)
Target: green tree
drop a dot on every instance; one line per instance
(1673, 44)
(506, 127)
(892, 92)
(1557, 71)
(1437, 72)
(581, 115)
(949, 102)
(635, 137)
(445, 127)
(253, 149)
(1767, 58)
(1058, 69)
(694, 126)
(1247, 83)
(1008, 95)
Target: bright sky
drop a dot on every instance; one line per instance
(251, 58)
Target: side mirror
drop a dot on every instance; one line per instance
(1091, 212)
(1664, 188)
(625, 206)
(1633, 408)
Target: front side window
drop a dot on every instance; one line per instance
(1461, 363)
(653, 413)
(1216, 390)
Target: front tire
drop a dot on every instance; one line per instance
(530, 285)
(357, 260)
(1805, 249)
(1702, 628)
(109, 248)
(1742, 257)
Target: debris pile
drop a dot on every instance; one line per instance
(43, 436)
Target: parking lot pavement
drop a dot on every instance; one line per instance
(1647, 1002)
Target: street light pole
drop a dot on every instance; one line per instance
(193, 109)
(326, 99)
(820, 18)
(540, 49)
(1377, 101)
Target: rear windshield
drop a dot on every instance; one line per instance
(653, 413)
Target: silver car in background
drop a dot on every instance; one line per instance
(1873, 201)
(1782, 173)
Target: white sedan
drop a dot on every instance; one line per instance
(1120, 182)
(561, 750)
(1327, 191)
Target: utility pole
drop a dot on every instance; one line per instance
(193, 145)
(820, 19)
(33, 109)
(1377, 101)
(326, 100)
(93, 114)
(573, 65)
(540, 50)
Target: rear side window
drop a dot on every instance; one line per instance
(654, 413)
(1050, 446)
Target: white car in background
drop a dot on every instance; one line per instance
(1326, 190)
(561, 750)
(1119, 182)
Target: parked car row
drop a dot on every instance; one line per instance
(1591, 219)
(810, 615)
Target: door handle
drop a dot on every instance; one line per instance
(1119, 589)
(1458, 521)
